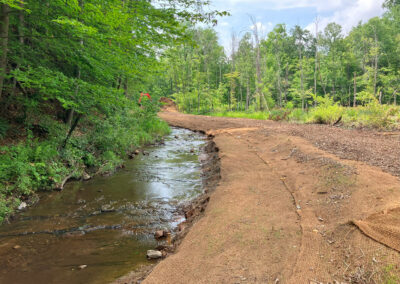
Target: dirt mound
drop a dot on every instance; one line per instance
(383, 227)
(167, 104)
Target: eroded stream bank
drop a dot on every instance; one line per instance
(96, 231)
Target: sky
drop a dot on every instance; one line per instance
(268, 13)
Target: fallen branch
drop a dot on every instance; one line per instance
(337, 121)
(60, 186)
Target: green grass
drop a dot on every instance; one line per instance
(390, 276)
(241, 114)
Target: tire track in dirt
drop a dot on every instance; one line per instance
(295, 206)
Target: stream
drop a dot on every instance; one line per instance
(98, 230)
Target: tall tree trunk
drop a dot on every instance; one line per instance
(355, 91)
(258, 71)
(301, 81)
(71, 111)
(5, 23)
(394, 97)
(21, 26)
(247, 94)
(279, 80)
(316, 57)
(71, 129)
(220, 73)
(286, 81)
(126, 86)
(320, 78)
(198, 98)
(241, 94)
(349, 92)
(233, 43)
(280, 89)
(375, 60)
(262, 100)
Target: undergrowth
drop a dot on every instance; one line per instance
(373, 115)
(99, 145)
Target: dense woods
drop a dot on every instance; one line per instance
(291, 71)
(71, 75)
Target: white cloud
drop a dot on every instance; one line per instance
(268, 13)
(350, 15)
(285, 4)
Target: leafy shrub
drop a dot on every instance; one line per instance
(298, 115)
(327, 112)
(373, 115)
(278, 114)
(289, 106)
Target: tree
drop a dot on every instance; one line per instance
(245, 66)
(256, 35)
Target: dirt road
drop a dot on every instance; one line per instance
(286, 207)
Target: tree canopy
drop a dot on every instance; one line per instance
(296, 67)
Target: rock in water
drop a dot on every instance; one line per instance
(107, 208)
(23, 205)
(86, 176)
(83, 266)
(154, 254)
(159, 234)
(203, 158)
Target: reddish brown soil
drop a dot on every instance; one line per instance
(284, 209)
(168, 104)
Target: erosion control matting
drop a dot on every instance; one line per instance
(383, 227)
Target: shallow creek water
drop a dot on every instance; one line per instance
(106, 223)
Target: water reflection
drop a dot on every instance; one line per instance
(105, 223)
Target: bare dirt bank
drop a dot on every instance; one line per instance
(284, 210)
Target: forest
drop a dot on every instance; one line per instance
(71, 75)
(293, 74)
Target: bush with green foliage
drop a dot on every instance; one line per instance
(327, 112)
(373, 115)
(278, 114)
(100, 145)
(298, 115)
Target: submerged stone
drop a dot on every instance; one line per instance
(154, 254)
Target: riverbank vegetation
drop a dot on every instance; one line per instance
(294, 74)
(71, 75)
